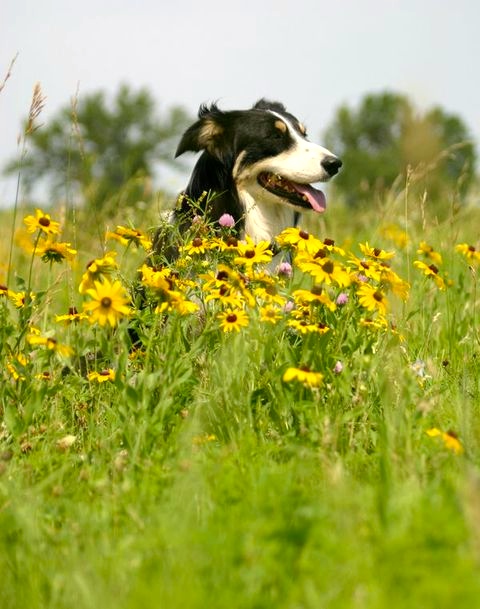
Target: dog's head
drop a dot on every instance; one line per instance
(267, 153)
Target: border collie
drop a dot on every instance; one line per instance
(259, 163)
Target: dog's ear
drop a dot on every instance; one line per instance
(205, 134)
(265, 104)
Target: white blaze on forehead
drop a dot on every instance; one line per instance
(302, 162)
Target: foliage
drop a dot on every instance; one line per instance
(385, 136)
(102, 148)
(296, 432)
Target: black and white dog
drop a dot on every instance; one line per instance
(259, 163)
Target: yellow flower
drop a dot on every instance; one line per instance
(367, 268)
(323, 269)
(250, 253)
(233, 319)
(42, 221)
(270, 314)
(299, 239)
(375, 252)
(305, 327)
(72, 316)
(314, 296)
(53, 251)
(395, 234)
(19, 299)
(50, 343)
(432, 272)
(176, 301)
(471, 253)
(16, 367)
(450, 439)
(125, 236)
(109, 303)
(95, 269)
(372, 298)
(102, 376)
(157, 280)
(379, 323)
(198, 245)
(428, 251)
(391, 280)
(303, 375)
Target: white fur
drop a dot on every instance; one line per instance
(264, 216)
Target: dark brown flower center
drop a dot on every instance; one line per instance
(232, 318)
(197, 242)
(303, 234)
(378, 296)
(250, 254)
(434, 269)
(43, 221)
(106, 302)
(328, 267)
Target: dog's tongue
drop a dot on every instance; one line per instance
(315, 197)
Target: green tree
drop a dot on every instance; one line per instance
(385, 135)
(102, 147)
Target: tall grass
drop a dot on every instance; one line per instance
(272, 440)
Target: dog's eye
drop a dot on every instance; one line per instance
(281, 126)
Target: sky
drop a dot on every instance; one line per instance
(312, 55)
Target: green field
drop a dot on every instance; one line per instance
(303, 442)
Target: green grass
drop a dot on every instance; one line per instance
(199, 478)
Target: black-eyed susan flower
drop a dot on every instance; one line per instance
(323, 270)
(432, 272)
(155, 279)
(43, 222)
(198, 245)
(270, 314)
(305, 326)
(127, 236)
(299, 240)
(365, 268)
(54, 251)
(103, 376)
(377, 324)
(96, 269)
(73, 316)
(108, 304)
(427, 250)
(314, 296)
(19, 299)
(471, 253)
(233, 320)
(303, 375)
(393, 282)
(450, 439)
(372, 298)
(178, 302)
(374, 252)
(250, 253)
(49, 343)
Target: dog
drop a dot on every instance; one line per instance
(260, 164)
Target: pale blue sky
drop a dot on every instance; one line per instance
(310, 54)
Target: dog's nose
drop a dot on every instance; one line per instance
(331, 164)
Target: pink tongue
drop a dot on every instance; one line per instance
(315, 197)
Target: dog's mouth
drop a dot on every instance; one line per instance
(301, 195)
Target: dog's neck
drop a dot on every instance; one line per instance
(264, 222)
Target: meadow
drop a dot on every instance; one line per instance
(292, 429)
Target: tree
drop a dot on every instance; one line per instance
(386, 135)
(99, 146)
